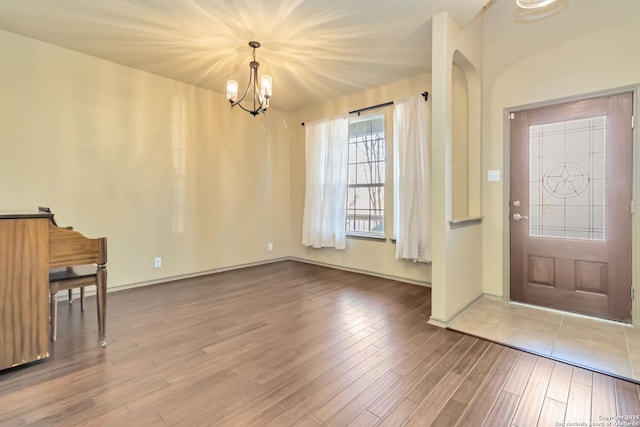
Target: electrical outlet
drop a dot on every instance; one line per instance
(157, 262)
(270, 246)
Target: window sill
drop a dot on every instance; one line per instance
(364, 236)
(458, 223)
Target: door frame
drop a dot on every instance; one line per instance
(635, 219)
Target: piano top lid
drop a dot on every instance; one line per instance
(24, 215)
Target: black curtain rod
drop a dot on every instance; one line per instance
(425, 94)
(373, 107)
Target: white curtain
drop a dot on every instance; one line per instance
(412, 172)
(325, 199)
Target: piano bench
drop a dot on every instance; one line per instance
(62, 276)
(68, 278)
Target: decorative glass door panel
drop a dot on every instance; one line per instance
(567, 165)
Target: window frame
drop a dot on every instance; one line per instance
(378, 235)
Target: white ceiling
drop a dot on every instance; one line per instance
(314, 49)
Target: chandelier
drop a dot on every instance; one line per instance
(533, 4)
(260, 94)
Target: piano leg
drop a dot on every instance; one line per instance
(54, 315)
(101, 296)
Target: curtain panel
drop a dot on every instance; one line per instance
(325, 200)
(412, 170)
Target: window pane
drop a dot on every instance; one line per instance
(362, 152)
(351, 198)
(352, 174)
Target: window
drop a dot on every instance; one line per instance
(365, 191)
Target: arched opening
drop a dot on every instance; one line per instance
(466, 167)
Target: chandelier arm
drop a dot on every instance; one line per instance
(256, 93)
(252, 76)
(245, 92)
(252, 112)
(254, 69)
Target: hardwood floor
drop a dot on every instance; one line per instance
(290, 344)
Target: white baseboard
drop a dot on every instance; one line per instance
(436, 322)
(445, 324)
(368, 273)
(92, 291)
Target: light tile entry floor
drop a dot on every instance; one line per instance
(604, 346)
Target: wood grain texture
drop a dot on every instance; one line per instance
(24, 313)
(290, 344)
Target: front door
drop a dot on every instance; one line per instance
(571, 205)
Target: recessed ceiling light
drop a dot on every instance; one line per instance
(533, 4)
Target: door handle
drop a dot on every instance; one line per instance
(518, 217)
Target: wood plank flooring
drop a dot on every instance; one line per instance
(291, 344)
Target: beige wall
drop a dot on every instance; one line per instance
(589, 46)
(100, 144)
(377, 257)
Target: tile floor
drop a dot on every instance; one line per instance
(604, 346)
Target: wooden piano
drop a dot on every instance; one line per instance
(31, 244)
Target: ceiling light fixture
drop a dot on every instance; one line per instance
(533, 4)
(261, 94)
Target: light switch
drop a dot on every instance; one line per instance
(493, 175)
